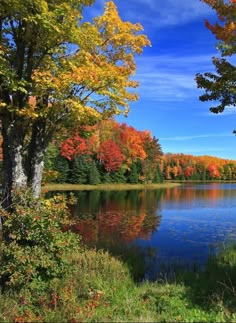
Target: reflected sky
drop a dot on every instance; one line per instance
(182, 224)
(196, 220)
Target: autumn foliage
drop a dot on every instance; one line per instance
(114, 152)
(74, 146)
(110, 155)
(188, 167)
(220, 85)
(114, 149)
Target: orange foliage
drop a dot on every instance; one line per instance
(176, 165)
(112, 143)
(132, 144)
(226, 13)
(74, 146)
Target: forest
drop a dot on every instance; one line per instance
(110, 152)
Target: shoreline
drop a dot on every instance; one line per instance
(107, 187)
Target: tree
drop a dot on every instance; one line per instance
(80, 170)
(94, 176)
(110, 155)
(73, 147)
(55, 69)
(119, 176)
(188, 172)
(213, 171)
(62, 167)
(158, 175)
(221, 86)
(131, 143)
(153, 152)
(133, 174)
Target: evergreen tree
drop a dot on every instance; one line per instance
(80, 170)
(158, 175)
(203, 176)
(118, 176)
(133, 175)
(94, 176)
(50, 156)
(106, 178)
(61, 165)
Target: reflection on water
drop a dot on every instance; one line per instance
(116, 217)
(182, 224)
(196, 220)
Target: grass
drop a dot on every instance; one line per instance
(111, 187)
(104, 287)
(103, 290)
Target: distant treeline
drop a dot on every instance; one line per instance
(107, 152)
(110, 152)
(188, 167)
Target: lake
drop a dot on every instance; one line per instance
(180, 225)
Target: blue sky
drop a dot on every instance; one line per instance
(169, 103)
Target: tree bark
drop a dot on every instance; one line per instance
(36, 154)
(14, 174)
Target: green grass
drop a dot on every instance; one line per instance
(102, 290)
(113, 187)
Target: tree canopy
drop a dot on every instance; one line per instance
(221, 86)
(54, 67)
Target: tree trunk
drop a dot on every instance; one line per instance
(14, 175)
(22, 168)
(36, 154)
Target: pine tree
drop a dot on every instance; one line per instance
(94, 176)
(106, 178)
(118, 176)
(133, 175)
(158, 175)
(80, 170)
(61, 165)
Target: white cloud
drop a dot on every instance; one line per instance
(157, 13)
(170, 78)
(183, 138)
(175, 12)
(228, 111)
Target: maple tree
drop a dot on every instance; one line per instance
(131, 143)
(188, 172)
(213, 170)
(220, 86)
(54, 68)
(110, 155)
(74, 146)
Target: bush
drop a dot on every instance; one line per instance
(36, 250)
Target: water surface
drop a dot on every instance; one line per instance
(183, 224)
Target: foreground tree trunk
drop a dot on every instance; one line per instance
(14, 174)
(22, 167)
(36, 154)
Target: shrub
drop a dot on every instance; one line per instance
(36, 249)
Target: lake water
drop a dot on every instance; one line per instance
(176, 225)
